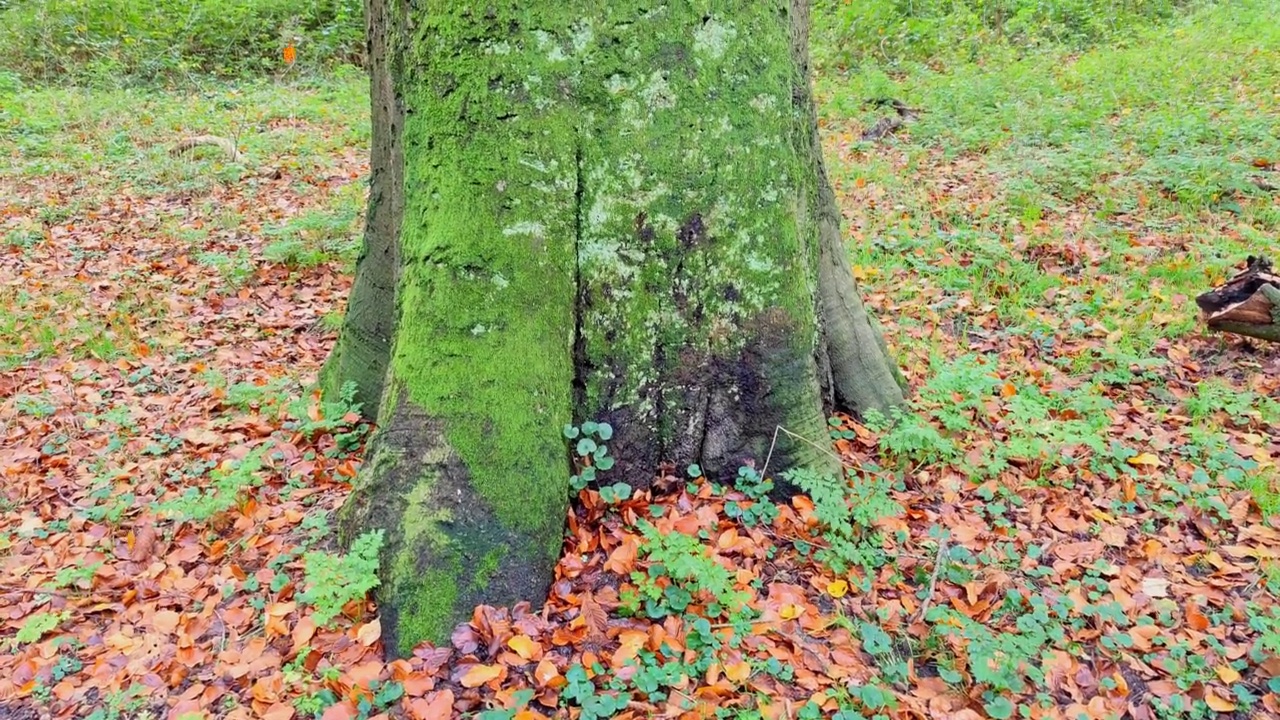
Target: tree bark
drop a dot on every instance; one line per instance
(613, 212)
(364, 342)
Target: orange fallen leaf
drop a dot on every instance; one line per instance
(344, 710)
(439, 706)
(303, 632)
(623, 557)
(478, 675)
(594, 616)
(364, 674)
(547, 676)
(737, 672)
(1196, 620)
(279, 711)
(143, 545)
(629, 644)
(1218, 703)
(1227, 674)
(525, 646)
(369, 633)
(165, 621)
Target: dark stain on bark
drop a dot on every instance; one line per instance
(718, 410)
(749, 394)
(644, 231)
(634, 447)
(692, 232)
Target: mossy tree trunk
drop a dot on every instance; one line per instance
(612, 212)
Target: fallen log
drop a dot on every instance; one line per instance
(1247, 304)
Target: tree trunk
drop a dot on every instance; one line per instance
(364, 344)
(613, 212)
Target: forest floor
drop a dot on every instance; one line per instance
(1077, 520)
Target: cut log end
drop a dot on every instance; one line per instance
(1247, 304)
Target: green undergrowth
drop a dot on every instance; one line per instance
(111, 42)
(681, 576)
(1060, 170)
(105, 139)
(1039, 233)
(944, 31)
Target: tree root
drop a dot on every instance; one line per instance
(227, 147)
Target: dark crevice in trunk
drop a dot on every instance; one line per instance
(708, 380)
(581, 365)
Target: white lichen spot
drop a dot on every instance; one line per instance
(528, 227)
(498, 48)
(583, 34)
(598, 215)
(501, 281)
(657, 94)
(601, 252)
(618, 84)
(713, 37)
(538, 164)
(632, 115)
(763, 103)
(759, 264)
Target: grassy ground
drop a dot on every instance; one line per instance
(1086, 486)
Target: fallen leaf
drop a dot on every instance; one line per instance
(279, 711)
(737, 672)
(369, 633)
(437, 706)
(478, 675)
(837, 588)
(790, 611)
(1155, 587)
(1218, 703)
(144, 544)
(524, 646)
(1144, 460)
(596, 620)
(165, 621)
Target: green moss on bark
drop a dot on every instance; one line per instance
(426, 608)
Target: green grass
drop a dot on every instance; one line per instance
(1069, 205)
(119, 42)
(1132, 162)
(125, 135)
